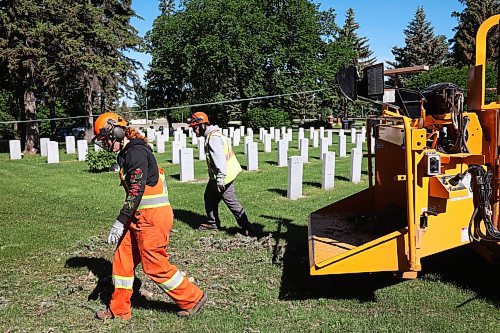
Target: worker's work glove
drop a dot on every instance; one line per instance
(220, 187)
(116, 232)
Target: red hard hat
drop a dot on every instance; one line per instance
(198, 118)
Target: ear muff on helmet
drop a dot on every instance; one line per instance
(118, 133)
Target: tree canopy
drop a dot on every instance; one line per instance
(422, 46)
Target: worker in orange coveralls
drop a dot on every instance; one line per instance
(142, 228)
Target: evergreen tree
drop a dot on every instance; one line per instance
(469, 20)
(422, 46)
(348, 34)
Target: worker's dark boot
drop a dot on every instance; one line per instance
(208, 227)
(104, 314)
(249, 230)
(195, 309)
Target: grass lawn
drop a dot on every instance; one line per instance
(55, 264)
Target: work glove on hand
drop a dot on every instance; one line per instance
(220, 184)
(116, 232)
(221, 187)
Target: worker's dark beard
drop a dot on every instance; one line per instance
(202, 129)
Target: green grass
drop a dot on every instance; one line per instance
(54, 220)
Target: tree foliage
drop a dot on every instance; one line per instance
(68, 50)
(364, 56)
(422, 46)
(469, 20)
(230, 49)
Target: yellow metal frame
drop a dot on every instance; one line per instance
(481, 43)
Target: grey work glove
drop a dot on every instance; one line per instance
(221, 187)
(220, 184)
(116, 232)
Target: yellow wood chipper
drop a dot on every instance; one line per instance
(434, 177)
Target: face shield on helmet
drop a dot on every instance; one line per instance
(109, 128)
(198, 121)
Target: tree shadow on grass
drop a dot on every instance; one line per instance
(462, 267)
(177, 176)
(102, 269)
(190, 218)
(272, 162)
(279, 191)
(194, 220)
(467, 269)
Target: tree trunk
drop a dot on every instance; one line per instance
(52, 107)
(32, 143)
(89, 123)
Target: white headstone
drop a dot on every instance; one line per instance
(183, 140)
(249, 132)
(261, 133)
(363, 133)
(194, 140)
(187, 164)
(267, 143)
(176, 147)
(328, 180)
(252, 156)
(247, 140)
(356, 159)
(277, 134)
(191, 132)
(359, 142)
(282, 153)
(225, 132)
(323, 147)
(304, 150)
(372, 139)
(70, 145)
(242, 130)
(231, 131)
(15, 149)
(341, 132)
(300, 135)
(43, 146)
(342, 146)
(52, 152)
(160, 144)
(353, 135)
(201, 149)
(321, 132)
(97, 147)
(295, 170)
(329, 134)
(271, 130)
(311, 133)
(290, 134)
(83, 149)
(236, 138)
(283, 129)
(177, 135)
(315, 139)
(151, 134)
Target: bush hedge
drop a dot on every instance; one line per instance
(266, 117)
(101, 161)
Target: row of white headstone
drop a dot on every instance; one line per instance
(183, 155)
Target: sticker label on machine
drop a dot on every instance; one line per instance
(464, 235)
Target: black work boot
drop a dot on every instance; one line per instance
(208, 227)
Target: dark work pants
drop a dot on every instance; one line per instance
(213, 198)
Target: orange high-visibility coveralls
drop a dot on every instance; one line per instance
(145, 241)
